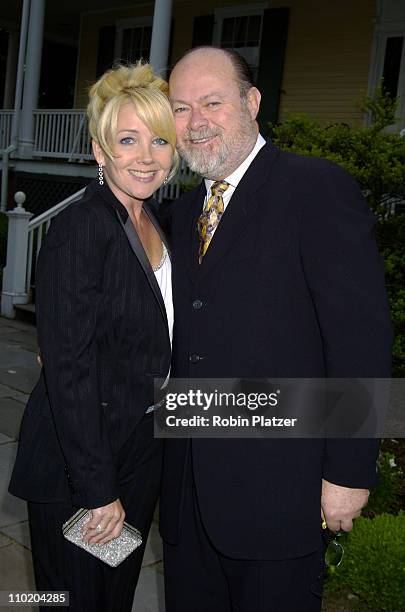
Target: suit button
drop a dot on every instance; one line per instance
(197, 304)
(195, 358)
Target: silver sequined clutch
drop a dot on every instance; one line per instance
(112, 553)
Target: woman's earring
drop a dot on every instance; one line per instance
(100, 174)
(165, 181)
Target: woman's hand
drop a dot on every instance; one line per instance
(106, 523)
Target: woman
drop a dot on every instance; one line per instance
(104, 314)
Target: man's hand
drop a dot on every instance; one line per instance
(340, 505)
(106, 523)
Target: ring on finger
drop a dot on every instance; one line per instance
(99, 528)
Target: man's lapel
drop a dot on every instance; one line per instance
(238, 214)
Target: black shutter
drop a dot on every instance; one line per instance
(106, 45)
(271, 65)
(203, 29)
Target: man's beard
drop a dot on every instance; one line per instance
(228, 154)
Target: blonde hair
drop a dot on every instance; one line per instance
(136, 84)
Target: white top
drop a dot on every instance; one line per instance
(236, 176)
(163, 274)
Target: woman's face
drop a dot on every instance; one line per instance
(141, 162)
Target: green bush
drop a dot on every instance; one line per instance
(391, 241)
(373, 566)
(386, 496)
(374, 157)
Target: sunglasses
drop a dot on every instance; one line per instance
(334, 550)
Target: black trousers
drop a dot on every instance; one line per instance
(198, 578)
(60, 565)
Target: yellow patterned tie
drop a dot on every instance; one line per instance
(211, 216)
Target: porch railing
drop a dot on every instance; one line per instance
(25, 236)
(37, 229)
(60, 134)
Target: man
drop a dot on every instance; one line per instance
(276, 274)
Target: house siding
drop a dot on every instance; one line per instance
(91, 23)
(327, 57)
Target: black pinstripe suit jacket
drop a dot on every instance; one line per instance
(103, 336)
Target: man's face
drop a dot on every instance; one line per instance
(216, 130)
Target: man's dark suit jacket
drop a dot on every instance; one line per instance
(103, 337)
(291, 286)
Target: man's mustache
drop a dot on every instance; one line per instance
(197, 134)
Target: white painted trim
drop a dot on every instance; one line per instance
(376, 61)
(391, 27)
(54, 210)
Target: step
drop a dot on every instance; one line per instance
(26, 313)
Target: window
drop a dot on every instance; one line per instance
(136, 43)
(388, 59)
(133, 39)
(392, 64)
(240, 28)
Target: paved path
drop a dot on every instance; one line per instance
(18, 374)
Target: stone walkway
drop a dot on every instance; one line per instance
(18, 375)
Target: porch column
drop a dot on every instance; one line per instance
(11, 69)
(31, 78)
(162, 19)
